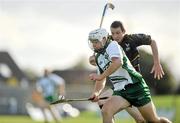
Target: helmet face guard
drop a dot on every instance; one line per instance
(96, 36)
(90, 43)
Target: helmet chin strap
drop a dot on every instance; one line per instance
(102, 50)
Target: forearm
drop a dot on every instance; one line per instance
(116, 63)
(99, 86)
(62, 90)
(155, 52)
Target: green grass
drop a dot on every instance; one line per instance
(85, 117)
(171, 101)
(89, 117)
(16, 119)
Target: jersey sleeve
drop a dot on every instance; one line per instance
(114, 50)
(57, 79)
(141, 39)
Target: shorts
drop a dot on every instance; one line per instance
(50, 99)
(137, 94)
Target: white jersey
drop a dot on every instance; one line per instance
(123, 75)
(48, 85)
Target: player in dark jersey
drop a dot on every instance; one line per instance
(130, 43)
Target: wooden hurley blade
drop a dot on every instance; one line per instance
(71, 100)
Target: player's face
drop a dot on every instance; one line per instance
(117, 34)
(96, 44)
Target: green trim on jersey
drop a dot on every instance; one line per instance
(135, 76)
(118, 78)
(96, 58)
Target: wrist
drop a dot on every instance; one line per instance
(96, 93)
(103, 75)
(156, 62)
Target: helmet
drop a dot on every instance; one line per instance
(97, 35)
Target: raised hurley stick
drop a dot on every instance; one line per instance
(108, 5)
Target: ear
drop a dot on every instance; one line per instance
(124, 31)
(104, 39)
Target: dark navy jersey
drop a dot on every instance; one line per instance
(130, 44)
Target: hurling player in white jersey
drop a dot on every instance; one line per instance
(129, 86)
(130, 44)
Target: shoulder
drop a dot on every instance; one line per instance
(128, 38)
(113, 43)
(138, 36)
(133, 39)
(41, 79)
(113, 48)
(57, 78)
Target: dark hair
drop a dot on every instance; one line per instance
(117, 24)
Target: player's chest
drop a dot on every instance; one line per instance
(104, 61)
(126, 47)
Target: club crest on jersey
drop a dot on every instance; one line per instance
(127, 46)
(100, 62)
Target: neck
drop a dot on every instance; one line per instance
(120, 40)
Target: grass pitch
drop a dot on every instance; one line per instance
(168, 102)
(85, 117)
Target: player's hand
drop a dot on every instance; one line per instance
(95, 77)
(158, 71)
(61, 97)
(94, 97)
(92, 60)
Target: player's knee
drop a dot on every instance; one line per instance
(105, 110)
(164, 120)
(140, 120)
(100, 106)
(154, 121)
(160, 120)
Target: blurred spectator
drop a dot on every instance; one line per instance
(13, 105)
(12, 81)
(49, 87)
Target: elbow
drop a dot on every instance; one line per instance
(153, 42)
(118, 63)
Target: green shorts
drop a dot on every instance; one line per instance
(137, 94)
(50, 99)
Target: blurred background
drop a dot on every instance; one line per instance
(38, 34)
